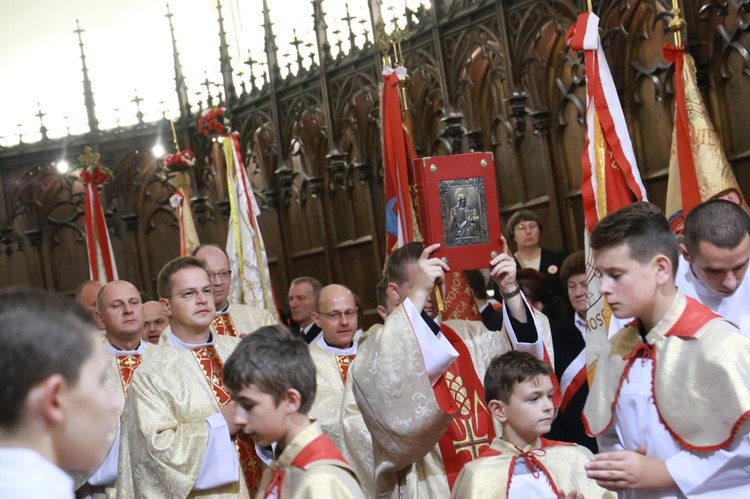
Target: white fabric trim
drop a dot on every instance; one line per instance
(352, 350)
(437, 352)
(107, 472)
(220, 464)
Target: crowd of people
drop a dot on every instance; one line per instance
(195, 396)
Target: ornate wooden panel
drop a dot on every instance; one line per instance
(485, 75)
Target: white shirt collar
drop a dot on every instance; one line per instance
(580, 324)
(352, 350)
(181, 345)
(224, 310)
(113, 350)
(25, 473)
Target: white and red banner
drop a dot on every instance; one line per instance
(610, 178)
(102, 265)
(251, 279)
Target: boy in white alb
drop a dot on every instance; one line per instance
(670, 400)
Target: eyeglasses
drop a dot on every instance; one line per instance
(336, 315)
(224, 275)
(527, 226)
(191, 294)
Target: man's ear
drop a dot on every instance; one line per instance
(498, 410)
(393, 292)
(684, 251)
(47, 399)
(164, 304)
(99, 320)
(315, 316)
(382, 312)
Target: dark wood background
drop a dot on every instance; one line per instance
(486, 75)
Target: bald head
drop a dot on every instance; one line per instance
(155, 321)
(336, 314)
(86, 294)
(219, 271)
(120, 313)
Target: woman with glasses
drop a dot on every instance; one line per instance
(525, 227)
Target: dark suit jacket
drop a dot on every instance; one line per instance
(568, 426)
(311, 334)
(549, 265)
(492, 319)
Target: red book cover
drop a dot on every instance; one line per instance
(458, 208)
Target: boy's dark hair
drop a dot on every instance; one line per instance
(643, 228)
(522, 216)
(274, 360)
(573, 265)
(396, 266)
(41, 335)
(381, 291)
(718, 222)
(164, 279)
(475, 280)
(510, 369)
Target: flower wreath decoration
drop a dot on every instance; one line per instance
(214, 122)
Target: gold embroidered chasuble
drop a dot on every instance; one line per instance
(690, 346)
(241, 320)
(308, 473)
(489, 476)
(117, 378)
(165, 432)
(399, 406)
(337, 414)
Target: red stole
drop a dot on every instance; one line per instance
(126, 365)
(212, 367)
(320, 449)
(343, 362)
(461, 389)
(222, 324)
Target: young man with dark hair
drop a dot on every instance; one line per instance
(386, 303)
(569, 340)
(715, 255)
(670, 400)
(271, 378)
(120, 314)
(178, 423)
(55, 411)
(302, 293)
(521, 464)
(232, 319)
(417, 379)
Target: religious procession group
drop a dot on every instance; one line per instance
(618, 372)
(195, 396)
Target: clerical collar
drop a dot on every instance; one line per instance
(224, 310)
(181, 345)
(350, 350)
(119, 352)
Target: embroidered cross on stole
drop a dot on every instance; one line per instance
(223, 324)
(343, 362)
(126, 365)
(471, 431)
(212, 367)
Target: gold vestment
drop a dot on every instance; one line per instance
(398, 404)
(312, 479)
(489, 476)
(164, 429)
